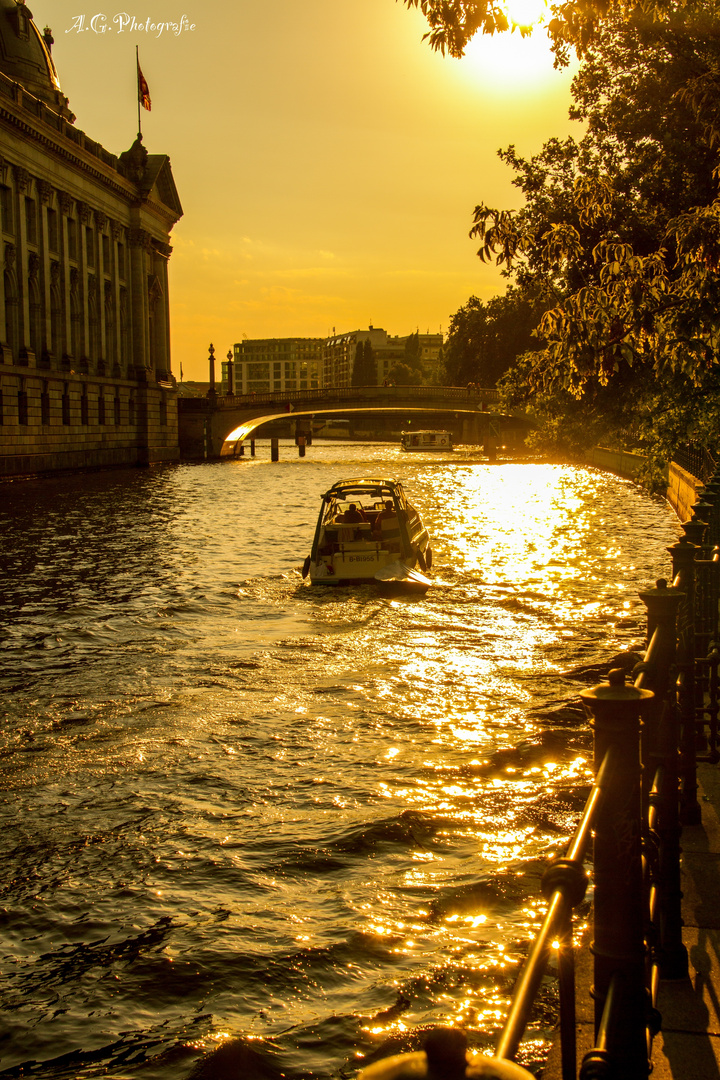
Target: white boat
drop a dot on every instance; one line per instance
(368, 533)
(426, 440)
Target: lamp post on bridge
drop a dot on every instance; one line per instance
(230, 373)
(212, 392)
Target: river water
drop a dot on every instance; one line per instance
(253, 828)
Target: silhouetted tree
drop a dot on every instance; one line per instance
(485, 340)
(364, 366)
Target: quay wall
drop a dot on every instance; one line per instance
(682, 486)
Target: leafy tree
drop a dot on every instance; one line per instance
(403, 375)
(623, 227)
(484, 340)
(413, 352)
(364, 367)
(358, 375)
(369, 364)
(573, 25)
(410, 371)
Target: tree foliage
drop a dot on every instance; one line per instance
(622, 228)
(402, 374)
(364, 367)
(573, 24)
(485, 339)
(410, 371)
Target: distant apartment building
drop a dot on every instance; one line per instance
(339, 353)
(262, 365)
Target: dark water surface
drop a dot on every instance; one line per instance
(253, 828)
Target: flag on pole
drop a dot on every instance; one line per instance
(143, 91)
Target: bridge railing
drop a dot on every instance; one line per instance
(648, 737)
(380, 394)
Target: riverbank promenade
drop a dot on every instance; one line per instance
(688, 1046)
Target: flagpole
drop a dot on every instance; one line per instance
(137, 80)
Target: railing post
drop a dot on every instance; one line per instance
(619, 918)
(662, 607)
(662, 752)
(444, 1058)
(683, 561)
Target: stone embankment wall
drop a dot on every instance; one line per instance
(682, 486)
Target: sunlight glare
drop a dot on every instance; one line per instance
(506, 64)
(526, 13)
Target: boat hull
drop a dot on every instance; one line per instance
(424, 442)
(364, 526)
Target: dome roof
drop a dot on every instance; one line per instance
(25, 54)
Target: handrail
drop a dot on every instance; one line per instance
(568, 882)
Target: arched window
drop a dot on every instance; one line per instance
(93, 321)
(11, 313)
(109, 349)
(35, 328)
(45, 403)
(56, 322)
(75, 322)
(124, 357)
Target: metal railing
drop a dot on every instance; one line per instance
(697, 460)
(383, 394)
(648, 738)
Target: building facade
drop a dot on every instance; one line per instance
(85, 375)
(339, 353)
(276, 364)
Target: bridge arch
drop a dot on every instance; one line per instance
(206, 423)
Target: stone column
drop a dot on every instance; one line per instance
(3, 170)
(139, 243)
(84, 216)
(100, 222)
(161, 255)
(65, 207)
(116, 233)
(46, 194)
(22, 185)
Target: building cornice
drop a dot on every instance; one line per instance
(71, 155)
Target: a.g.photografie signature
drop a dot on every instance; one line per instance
(122, 22)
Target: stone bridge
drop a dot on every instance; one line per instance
(205, 423)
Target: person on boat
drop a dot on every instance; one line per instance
(353, 515)
(387, 514)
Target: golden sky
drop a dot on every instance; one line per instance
(328, 161)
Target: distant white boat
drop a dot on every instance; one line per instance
(426, 440)
(368, 533)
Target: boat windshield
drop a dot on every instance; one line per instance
(361, 503)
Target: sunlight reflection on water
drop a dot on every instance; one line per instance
(242, 808)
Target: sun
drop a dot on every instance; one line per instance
(526, 13)
(508, 63)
